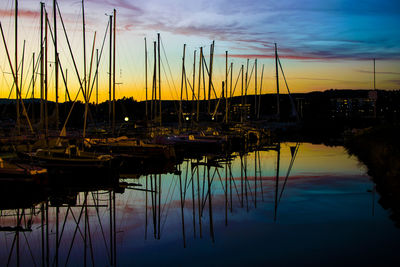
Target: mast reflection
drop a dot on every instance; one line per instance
(79, 221)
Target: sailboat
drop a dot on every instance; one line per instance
(70, 160)
(21, 173)
(134, 154)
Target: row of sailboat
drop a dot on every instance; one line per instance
(61, 153)
(88, 81)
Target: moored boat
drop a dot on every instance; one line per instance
(71, 160)
(11, 172)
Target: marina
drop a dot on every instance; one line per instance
(211, 159)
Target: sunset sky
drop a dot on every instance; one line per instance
(322, 44)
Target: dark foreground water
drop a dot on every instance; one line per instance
(323, 210)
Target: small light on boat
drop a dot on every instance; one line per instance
(212, 118)
(187, 118)
(126, 119)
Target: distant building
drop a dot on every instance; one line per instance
(240, 112)
(353, 107)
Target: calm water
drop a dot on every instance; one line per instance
(321, 211)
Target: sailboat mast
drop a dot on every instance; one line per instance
(198, 90)
(245, 83)
(241, 110)
(226, 87)
(84, 69)
(84, 49)
(194, 85)
(145, 72)
(41, 67)
(159, 76)
(182, 81)
(154, 89)
(56, 60)
(255, 88)
(110, 74)
(230, 84)
(46, 118)
(259, 99)
(33, 88)
(16, 67)
(113, 104)
(97, 77)
(277, 83)
(210, 76)
(242, 84)
(66, 85)
(22, 69)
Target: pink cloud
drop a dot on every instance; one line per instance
(21, 12)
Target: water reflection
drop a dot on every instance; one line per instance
(214, 202)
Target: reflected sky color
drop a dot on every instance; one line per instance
(325, 215)
(323, 44)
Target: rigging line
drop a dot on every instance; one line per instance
(29, 249)
(186, 182)
(234, 183)
(62, 229)
(166, 77)
(289, 170)
(76, 228)
(169, 194)
(87, 221)
(32, 81)
(76, 70)
(19, 219)
(123, 219)
(209, 188)
(233, 92)
(12, 249)
(20, 66)
(5, 78)
(259, 99)
(72, 55)
(59, 63)
(220, 179)
(101, 53)
(101, 227)
(287, 87)
(77, 222)
(23, 81)
(217, 106)
(13, 84)
(208, 72)
(169, 206)
(65, 222)
(249, 79)
(169, 68)
(169, 85)
(191, 88)
(91, 62)
(15, 78)
(249, 187)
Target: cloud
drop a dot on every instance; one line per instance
(379, 72)
(21, 13)
(118, 4)
(304, 30)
